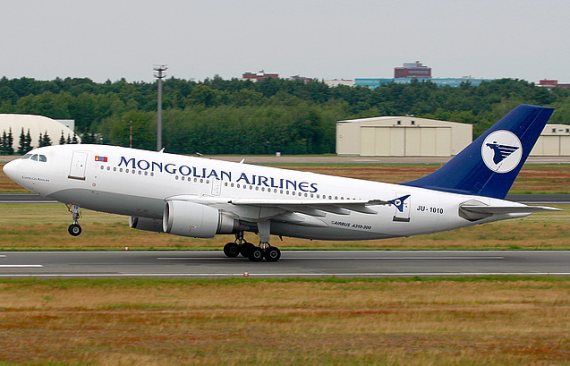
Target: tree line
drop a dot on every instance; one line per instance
(25, 141)
(242, 117)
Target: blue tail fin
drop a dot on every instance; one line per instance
(489, 166)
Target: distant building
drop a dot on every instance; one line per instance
(413, 70)
(36, 125)
(553, 141)
(373, 83)
(261, 75)
(336, 82)
(301, 79)
(401, 136)
(69, 123)
(551, 84)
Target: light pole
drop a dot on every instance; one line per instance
(131, 134)
(159, 75)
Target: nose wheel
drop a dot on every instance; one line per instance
(74, 229)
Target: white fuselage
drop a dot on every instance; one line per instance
(138, 183)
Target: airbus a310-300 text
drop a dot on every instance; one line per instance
(199, 197)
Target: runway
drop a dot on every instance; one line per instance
(523, 198)
(292, 264)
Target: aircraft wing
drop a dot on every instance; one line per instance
(315, 207)
(311, 207)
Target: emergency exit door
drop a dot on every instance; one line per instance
(216, 187)
(78, 165)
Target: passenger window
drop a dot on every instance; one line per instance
(43, 158)
(35, 157)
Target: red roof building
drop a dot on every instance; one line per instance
(413, 70)
(259, 76)
(551, 84)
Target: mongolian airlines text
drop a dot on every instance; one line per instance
(223, 175)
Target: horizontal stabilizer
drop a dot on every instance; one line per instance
(501, 210)
(474, 212)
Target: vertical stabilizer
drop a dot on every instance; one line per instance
(490, 164)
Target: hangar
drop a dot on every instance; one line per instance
(36, 125)
(401, 136)
(553, 141)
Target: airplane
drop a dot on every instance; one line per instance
(200, 197)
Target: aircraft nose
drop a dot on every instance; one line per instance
(10, 169)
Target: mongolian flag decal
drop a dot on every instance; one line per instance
(101, 158)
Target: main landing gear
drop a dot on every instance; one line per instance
(254, 253)
(74, 229)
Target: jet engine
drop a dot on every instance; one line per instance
(193, 219)
(146, 224)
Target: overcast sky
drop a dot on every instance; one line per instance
(325, 39)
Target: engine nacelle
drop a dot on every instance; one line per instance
(146, 224)
(196, 220)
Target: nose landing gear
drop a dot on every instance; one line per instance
(74, 229)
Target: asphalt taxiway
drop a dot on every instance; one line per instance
(292, 264)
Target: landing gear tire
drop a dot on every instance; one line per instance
(74, 229)
(272, 254)
(245, 249)
(256, 255)
(231, 250)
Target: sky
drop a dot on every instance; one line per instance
(324, 39)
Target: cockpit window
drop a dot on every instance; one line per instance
(35, 157)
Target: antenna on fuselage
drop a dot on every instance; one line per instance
(161, 150)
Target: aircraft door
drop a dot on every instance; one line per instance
(78, 165)
(216, 187)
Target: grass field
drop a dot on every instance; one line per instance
(534, 178)
(464, 321)
(44, 226)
